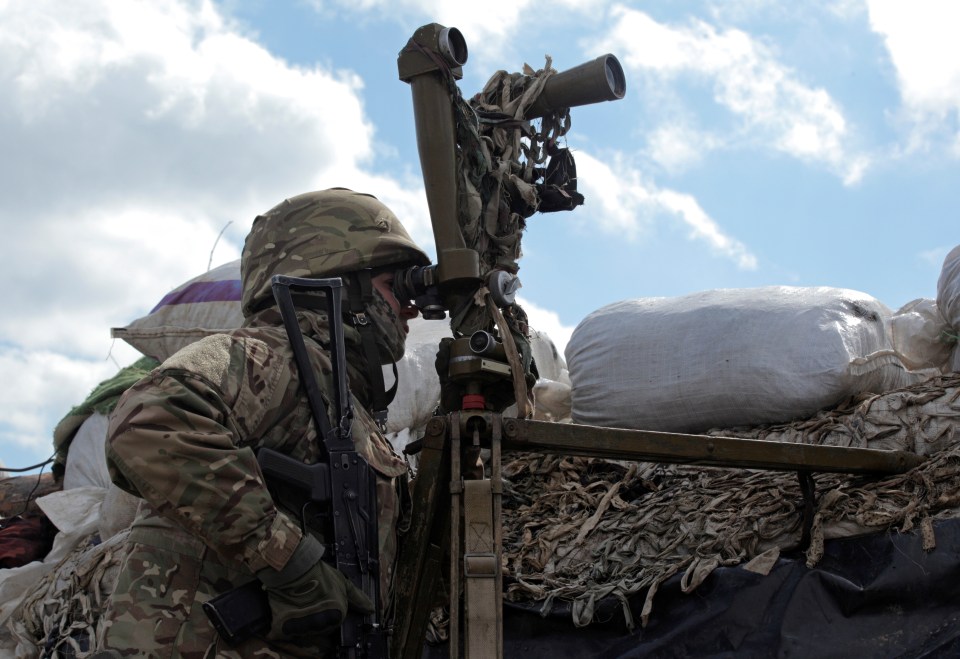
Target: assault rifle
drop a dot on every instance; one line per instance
(336, 495)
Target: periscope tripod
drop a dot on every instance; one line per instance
(456, 518)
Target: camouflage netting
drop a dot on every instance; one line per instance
(579, 529)
(921, 419)
(62, 614)
(501, 182)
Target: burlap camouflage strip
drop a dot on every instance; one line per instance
(64, 612)
(581, 529)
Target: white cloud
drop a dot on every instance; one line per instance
(921, 39)
(41, 387)
(626, 205)
(677, 147)
(190, 108)
(133, 132)
(489, 27)
(771, 104)
(548, 322)
(738, 10)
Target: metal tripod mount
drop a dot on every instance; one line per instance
(456, 517)
(456, 514)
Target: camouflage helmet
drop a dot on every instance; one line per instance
(322, 234)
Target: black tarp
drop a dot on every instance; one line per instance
(879, 595)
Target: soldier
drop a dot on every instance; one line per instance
(183, 439)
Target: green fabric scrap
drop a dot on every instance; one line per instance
(102, 399)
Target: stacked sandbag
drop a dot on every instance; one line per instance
(920, 336)
(26, 535)
(730, 357)
(551, 392)
(418, 392)
(207, 304)
(79, 440)
(948, 301)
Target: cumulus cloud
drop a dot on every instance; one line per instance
(772, 106)
(678, 146)
(548, 322)
(133, 133)
(489, 27)
(920, 38)
(627, 205)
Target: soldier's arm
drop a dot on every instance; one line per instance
(175, 440)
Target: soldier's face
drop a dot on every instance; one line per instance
(405, 311)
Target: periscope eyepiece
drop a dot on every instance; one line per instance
(419, 285)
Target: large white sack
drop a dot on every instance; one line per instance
(918, 333)
(729, 357)
(550, 364)
(207, 304)
(948, 300)
(419, 389)
(86, 461)
(87, 468)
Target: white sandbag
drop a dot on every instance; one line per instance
(948, 301)
(552, 400)
(917, 332)
(117, 512)
(202, 306)
(730, 357)
(550, 364)
(419, 390)
(86, 462)
(87, 467)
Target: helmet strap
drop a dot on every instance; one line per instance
(360, 296)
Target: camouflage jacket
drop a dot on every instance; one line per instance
(184, 439)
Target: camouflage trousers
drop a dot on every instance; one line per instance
(156, 607)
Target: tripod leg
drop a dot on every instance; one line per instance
(481, 561)
(418, 569)
(456, 509)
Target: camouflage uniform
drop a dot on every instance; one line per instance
(184, 438)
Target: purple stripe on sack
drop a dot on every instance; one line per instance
(227, 290)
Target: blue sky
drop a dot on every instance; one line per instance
(759, 143)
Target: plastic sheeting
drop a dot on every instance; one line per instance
(878, 595)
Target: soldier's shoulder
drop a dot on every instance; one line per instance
(219, 358)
